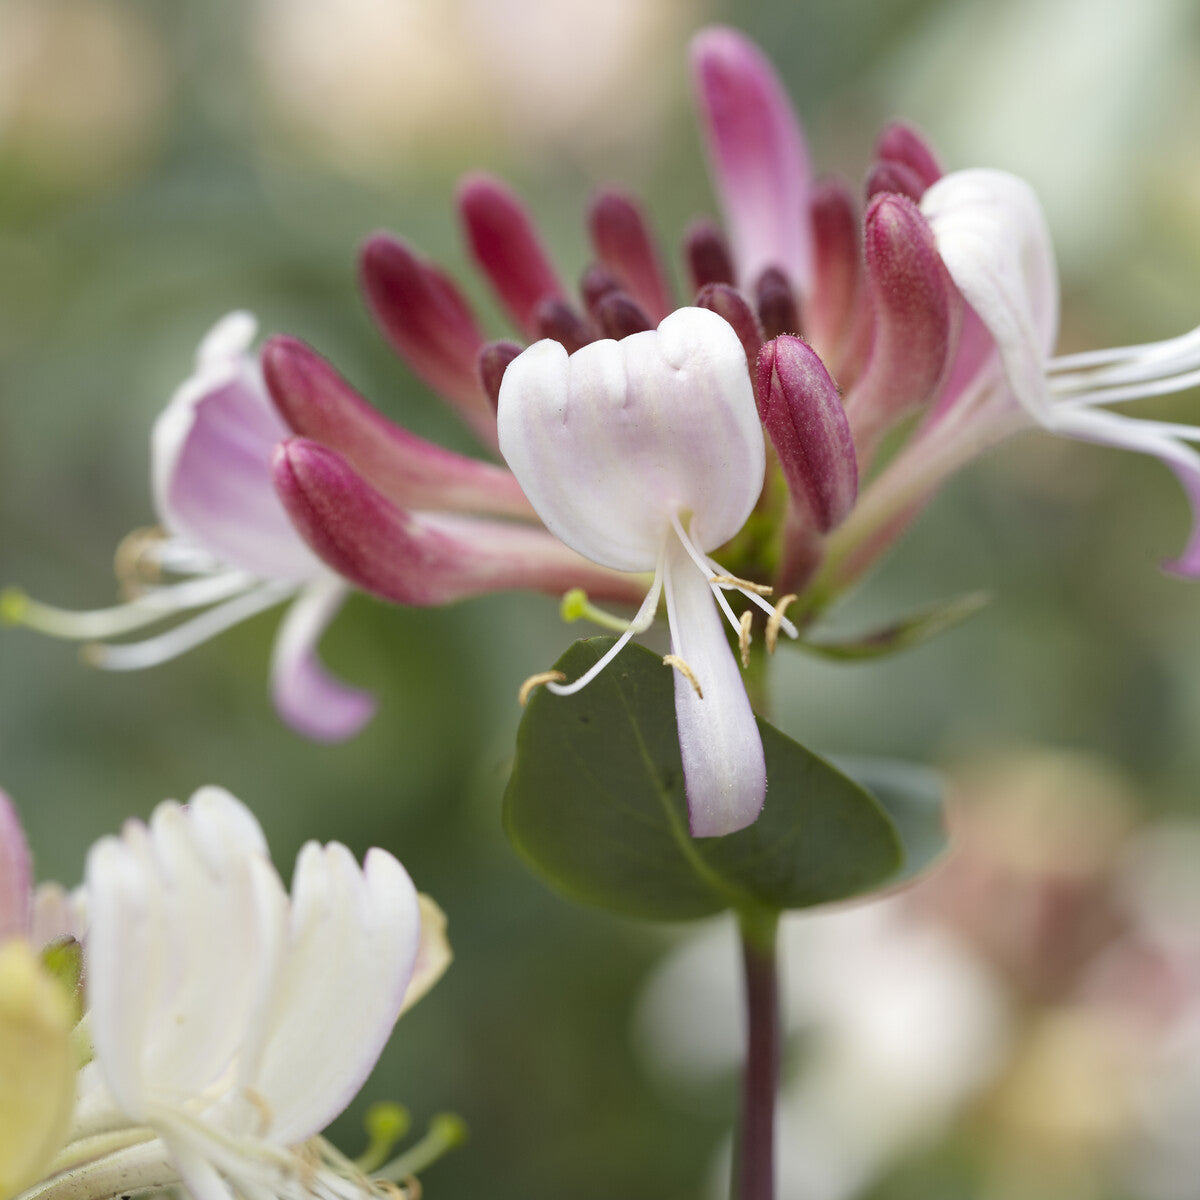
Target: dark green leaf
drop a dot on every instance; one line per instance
(596, 805)
(914, 629)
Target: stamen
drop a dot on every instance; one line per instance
(673, 660)
(776, 619)
(742, 585)
(446, 1132)
(1147, 351)
(134, 563)
(744, 637)
(136, 656)
(535, 681)
(1153, 386)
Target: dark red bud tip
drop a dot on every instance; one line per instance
(707, 254)
(506, 246)
(802, 410)
(597, 282)
(895, 178)
(623, 242)
(558, 320)
(729, 303)
(493, 362)
(619, 316)
(776, 303)
(903, 143)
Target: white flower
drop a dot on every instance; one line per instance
(645, 455)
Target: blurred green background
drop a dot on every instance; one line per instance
(165, 161)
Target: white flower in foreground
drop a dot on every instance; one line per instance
(226, 547)
(645, 455)
(992, 236)
(231, 1020)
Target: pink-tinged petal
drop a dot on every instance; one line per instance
(730, 305)
(758, 157)
(421, 558)
(351, 945)
(894, 178)
(16, 873)
(493, 362)
(317, 403)
(620, 316)
(613, 441)
(211, 454)
(776, 304)
(918, 311)
(724, 770)
(991, 234)
(1129, 433)
(707, 255)
(507, 248)
(428, 322)
(802, 411)
(904, 144)
(976, 363)
(623, 243)
(306, 696)
(837, 269)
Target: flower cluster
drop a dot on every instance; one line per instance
(226, 1021)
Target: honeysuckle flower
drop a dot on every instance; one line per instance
(646, 455)
(229, 1020)
(225, 546)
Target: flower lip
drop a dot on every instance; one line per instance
(614, 441)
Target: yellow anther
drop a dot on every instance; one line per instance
(132, 564)
(673, 660)
(535, 681)
(744, 637)
(759, 589)
(775, 620)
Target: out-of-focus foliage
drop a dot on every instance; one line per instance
(162, 162)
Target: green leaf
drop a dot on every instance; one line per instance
(596, 806)
(913, 798)
(903, 634)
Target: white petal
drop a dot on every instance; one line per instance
(352, 944)
(992, 236)
(611, 441)
(211, 461)
(723, 764)
(306, 696)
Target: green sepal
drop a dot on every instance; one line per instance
(63, 960)
(902, 634)
(596, 806)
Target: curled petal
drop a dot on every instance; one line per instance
(16, 874)
(837, 268)
(802, 411)
(428, 322)
(757, 154)
(917, 315)
(991, 234)
(318, 403)
(306, 696)
(623, 243)
(422, 558)
(724, 769)
(613, 441)
(433, 954)
(507, 248)
(211, 453)
(351, 944)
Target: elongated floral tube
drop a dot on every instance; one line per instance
(802, 412)
(623, 243)
(429, 323)
(507, 248)
(837, 269)
(16, 873)
(422, 558)
(644, 455)
(758, 157)
(317, 403)
(917, 313)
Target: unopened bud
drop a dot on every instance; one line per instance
(707, 254)
(623, 242)
(776, 303)
(493, 360)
